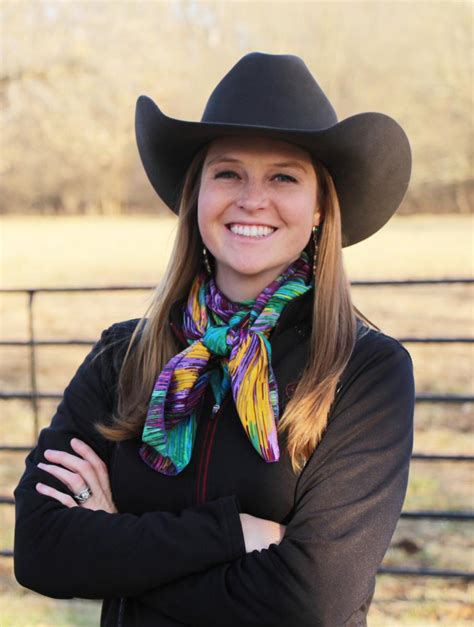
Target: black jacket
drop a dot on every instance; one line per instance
(175, 554)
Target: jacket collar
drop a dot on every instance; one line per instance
(298, 314)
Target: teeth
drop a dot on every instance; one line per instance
(251, 231)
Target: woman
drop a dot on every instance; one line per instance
(240, 455)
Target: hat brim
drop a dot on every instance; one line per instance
(368, 156)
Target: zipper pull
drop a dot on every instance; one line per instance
(214, 411)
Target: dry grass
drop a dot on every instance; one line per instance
(42, 252)
(52, 251)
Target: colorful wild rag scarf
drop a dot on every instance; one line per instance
(228, 349)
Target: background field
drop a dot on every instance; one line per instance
(41, 252)
(70, 102)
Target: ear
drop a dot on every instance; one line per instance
(317, 217)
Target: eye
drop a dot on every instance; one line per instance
(225, 174)
(285, 178)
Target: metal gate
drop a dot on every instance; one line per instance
(34, 395)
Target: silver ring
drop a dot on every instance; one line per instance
(83, 495)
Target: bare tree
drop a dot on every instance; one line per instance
(71, 73)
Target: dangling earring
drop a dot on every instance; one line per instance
(207, 265)
(316, 246)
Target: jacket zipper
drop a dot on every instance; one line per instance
(201, 483)
(120, 612)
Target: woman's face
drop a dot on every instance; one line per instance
(256, 210)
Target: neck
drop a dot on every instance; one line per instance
(239, 287)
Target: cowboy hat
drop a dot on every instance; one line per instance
(368, 154)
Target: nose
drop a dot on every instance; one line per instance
(253, 195)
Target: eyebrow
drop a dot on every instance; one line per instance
(290, 164)
(280, 164)
(220, 159)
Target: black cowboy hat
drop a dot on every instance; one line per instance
(368, 154)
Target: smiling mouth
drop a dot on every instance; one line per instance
(247, 230)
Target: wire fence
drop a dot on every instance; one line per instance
(34, 395)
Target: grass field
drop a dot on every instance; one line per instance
(52, 252)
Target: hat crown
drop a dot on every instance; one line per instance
(270, 90)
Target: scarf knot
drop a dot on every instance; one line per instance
(221, 340)
(228, 348)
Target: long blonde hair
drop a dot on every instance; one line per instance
(332, 339)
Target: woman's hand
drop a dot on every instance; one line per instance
(259, 533)
(86, 470)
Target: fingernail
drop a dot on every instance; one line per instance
(40, 465)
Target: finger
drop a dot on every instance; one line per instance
(65, 499)
(102, 473)
(76, 464)
(91, 456)
(74, 481)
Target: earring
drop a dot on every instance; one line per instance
(316, 246)
(207, 265)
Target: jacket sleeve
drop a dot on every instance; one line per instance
(348, 501)
(75, 552)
